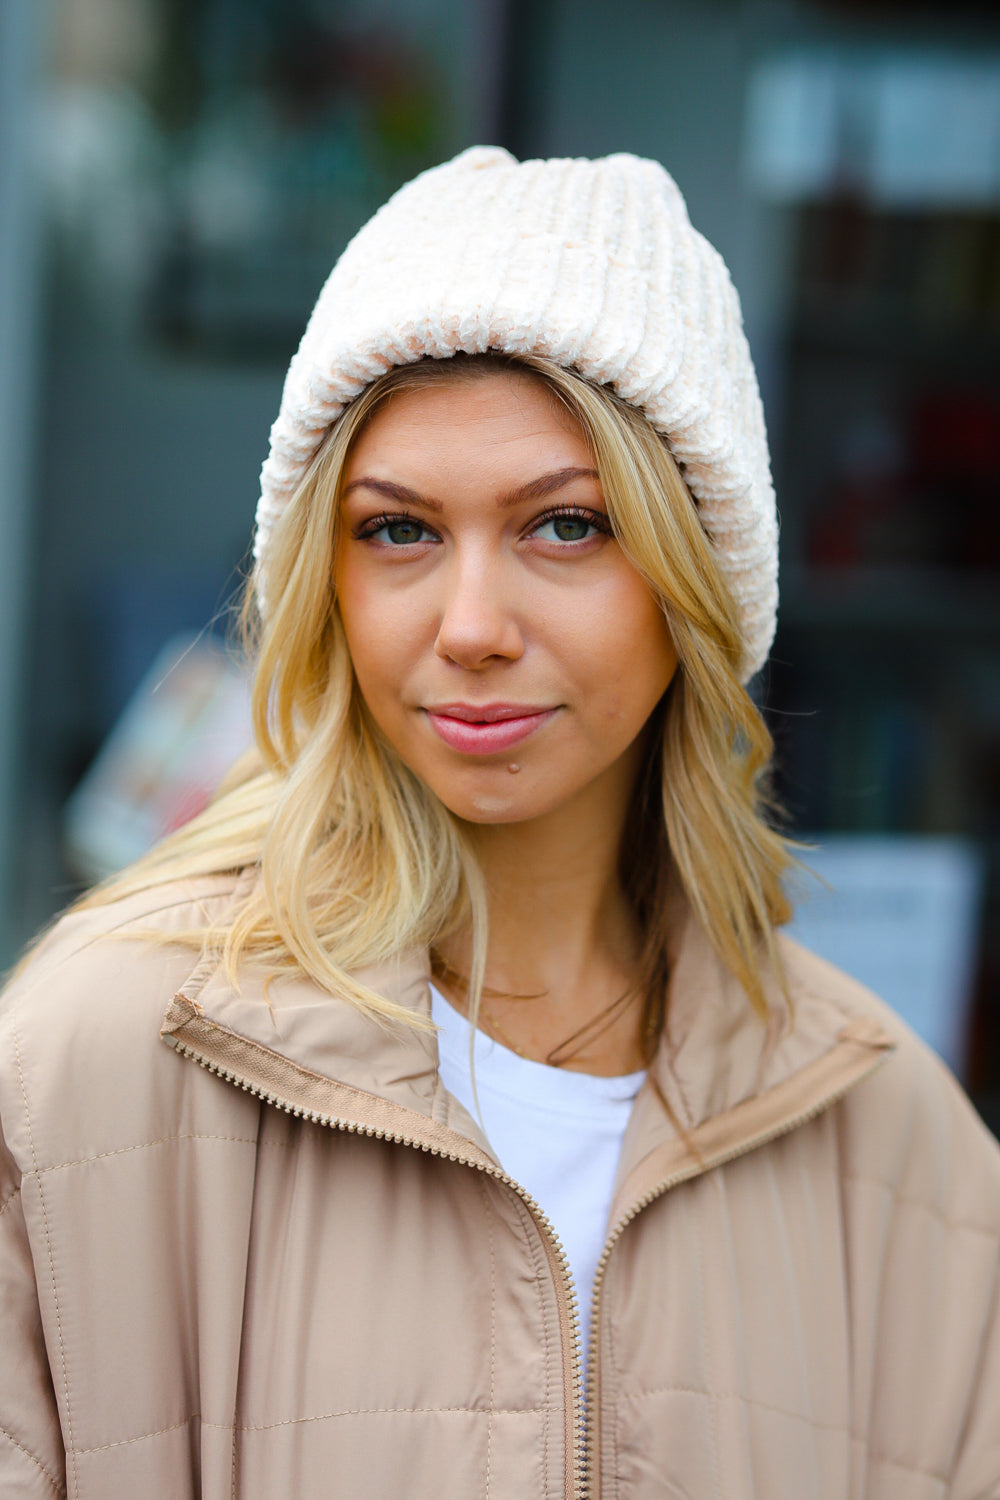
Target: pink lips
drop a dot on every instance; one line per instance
(486, 729)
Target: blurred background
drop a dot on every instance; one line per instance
(177, 177)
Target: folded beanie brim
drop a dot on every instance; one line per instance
(593, 264)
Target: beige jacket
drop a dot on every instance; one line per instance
(296, 1271)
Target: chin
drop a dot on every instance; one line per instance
(492, 804)
(489, 807)
(490, 810)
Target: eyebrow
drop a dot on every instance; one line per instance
(535, 489)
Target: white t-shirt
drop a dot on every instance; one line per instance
(559, 1134)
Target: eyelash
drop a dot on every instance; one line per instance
(599, 522)
(369, 528)
(593, 518)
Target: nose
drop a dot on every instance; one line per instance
(478, 622)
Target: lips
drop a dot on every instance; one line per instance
(486, 729)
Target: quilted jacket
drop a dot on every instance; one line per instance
(250, 1246)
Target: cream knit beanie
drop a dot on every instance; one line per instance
(591, 263)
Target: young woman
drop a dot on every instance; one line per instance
(524, 1157)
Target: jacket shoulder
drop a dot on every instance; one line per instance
(909, 1129)
(82, 1066)
(175, 906)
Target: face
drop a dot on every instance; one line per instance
(504, 645)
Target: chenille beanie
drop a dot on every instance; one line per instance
(593, 264)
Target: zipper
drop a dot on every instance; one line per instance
(569, 1315)
(693, 1170)
(581, 1437)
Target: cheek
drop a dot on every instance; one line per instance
(377, 635)
(357, 598)
(634, 655)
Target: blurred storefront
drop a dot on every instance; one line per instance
(204, 161)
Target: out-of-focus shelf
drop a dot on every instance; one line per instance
(888, 599)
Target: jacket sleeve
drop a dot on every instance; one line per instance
(32, 1458)
(977, 1472)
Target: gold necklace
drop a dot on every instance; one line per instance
(557, 1056)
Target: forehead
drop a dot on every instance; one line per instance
(500, 419)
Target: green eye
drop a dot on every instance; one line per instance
(567, 527)
(403, 533)
(570, 528)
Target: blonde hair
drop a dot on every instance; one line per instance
(359, 860)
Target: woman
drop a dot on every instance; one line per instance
(515, 558)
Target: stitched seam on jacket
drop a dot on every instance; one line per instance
(488, 1210)
(977, 1380)
(541, 1266)
(525, 1411)
(36, 1461)
(4, 1207)
(713, 1406)
(47, 1235)
(781, 1411)
(142, 1436)
(394, 1411)
(987, 1229)
(164, 1140)
(894, 1463)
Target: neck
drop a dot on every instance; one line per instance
(562, 944)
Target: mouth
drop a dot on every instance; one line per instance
(486, 729)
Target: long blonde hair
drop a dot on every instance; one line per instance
(359, 860)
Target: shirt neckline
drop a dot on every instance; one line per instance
(501, 1070)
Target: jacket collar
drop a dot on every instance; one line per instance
(728, 1077)
(733, 1081)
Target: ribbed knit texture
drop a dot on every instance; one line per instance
(593, 264)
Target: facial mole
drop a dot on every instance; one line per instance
(513, 769)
